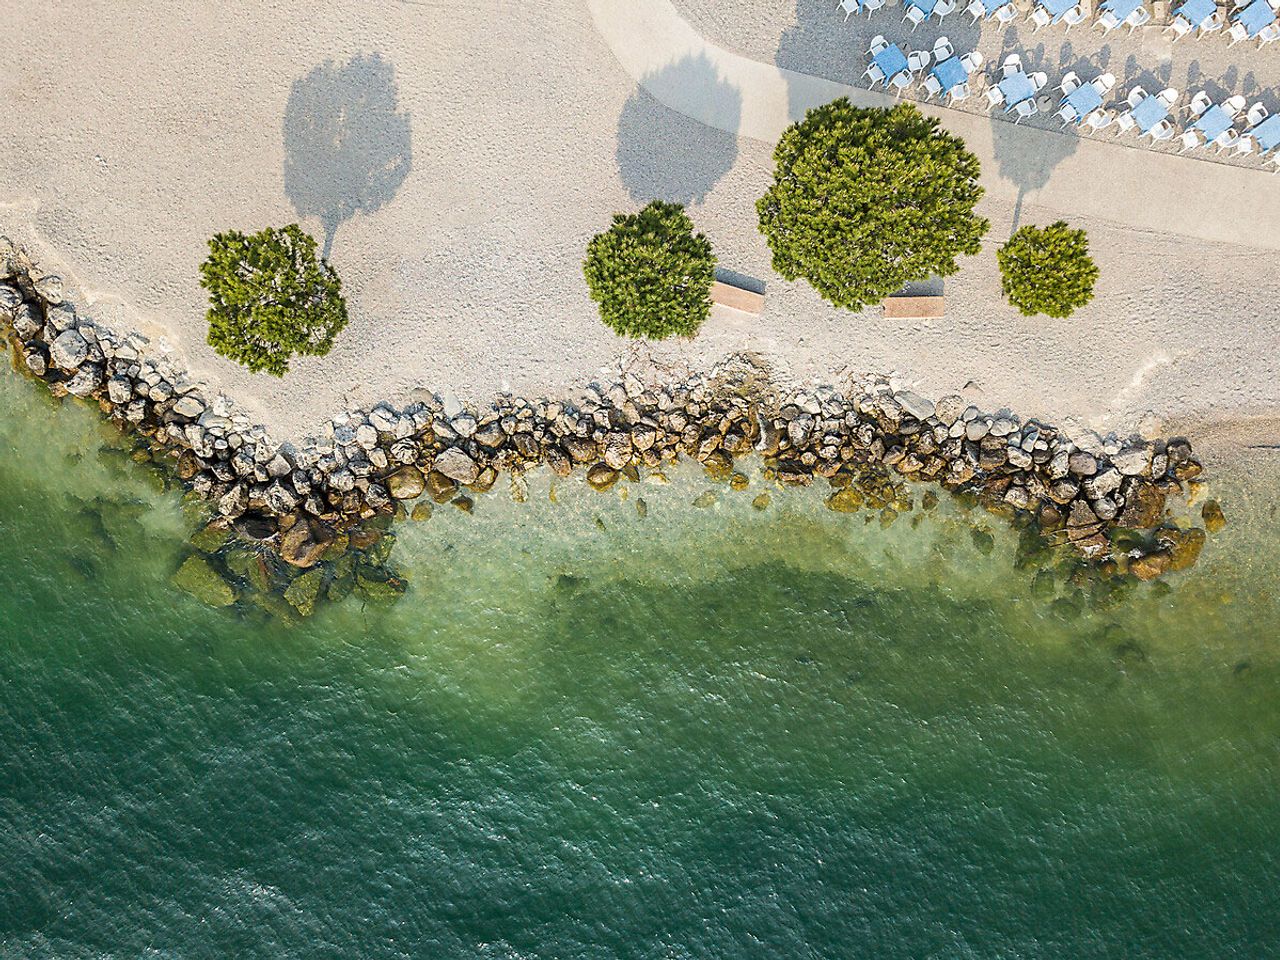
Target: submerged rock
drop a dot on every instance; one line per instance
(197, 577)
(1212, 515)
(304, 590)
(407, 483)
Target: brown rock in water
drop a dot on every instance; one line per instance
(558, 461)
(1185, 548)
(1214, 518)
(441, 488)
(602, 476)
(761, 502)
(718, 465)
(304, 542)
(1151, 565)
(846, 500)
(739, 481)
(1143, 506)
(421, 511)
(485, 481)
(406, 483)
(188, 465)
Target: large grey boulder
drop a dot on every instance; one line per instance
(456, 465)
(87, 379)
(68, 350)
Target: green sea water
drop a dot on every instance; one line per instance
(702, 732)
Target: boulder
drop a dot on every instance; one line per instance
(617, 450)
(1212, 515)
(914, 404)
(440, 487)
(303, 544)
(48, 288)
(189, 406)
(407, 483)
(1082, 463)
(26, 321)
(86, 380)
(1149, 566)
(1143, 506)
(1133, 461)
(119, 390)
(456, 465)
(197, 577)
(602, 476)
(68, 350)
(36, 361)
(304, 590)
(234, 502)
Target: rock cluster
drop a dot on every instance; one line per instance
(301, 499)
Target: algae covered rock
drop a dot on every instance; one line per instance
(406, 483)
(212, 538)
(302, 593)
(198, 577)
(1212, 515)
(378, 585)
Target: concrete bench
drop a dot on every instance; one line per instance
(913, 308)
(736, 298)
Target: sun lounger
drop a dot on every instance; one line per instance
(914, 308)
(737, 298)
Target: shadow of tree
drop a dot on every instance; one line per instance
(1027, 156)
(347, 149)
(664, 155)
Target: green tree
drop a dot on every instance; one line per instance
(270, 298)
(864, 201)
(650, 273)
(1047, 270)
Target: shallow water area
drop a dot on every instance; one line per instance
(593, 729)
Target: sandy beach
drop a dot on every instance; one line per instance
(493, 140)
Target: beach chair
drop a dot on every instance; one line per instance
(1006, 14)
(1136, 96)
(1098, 120)
(1213, 24)
(1199, 104)
(1191, 139)
(1040, 17)
(943, 50)
(959, 92)
(1066, 113)
(915, 15)
(1227, 140)
(901, 80)
(1074, 17)
(1257, 113)
(1012, 64)
(850, 7)
(1140, 17)
(944, 8)
(1180, 26)
(931, 86)
(917, 60)
(1104, 84)
(878, 43)
(1108, 21)
(1027, 108)
(871, 6)
(1161, 131)
(972, 61)
(976, 9)
(1124, 122)
(1237, 33)
(995, 96)
(1245, 145)
(1233, 105)
(1269, 34)
(1070, 83)
(1039, 79)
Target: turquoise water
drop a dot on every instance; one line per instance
(585, 732)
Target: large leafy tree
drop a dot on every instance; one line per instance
(270, 298)
(864, 201)
(651, 273)
(1047, 270)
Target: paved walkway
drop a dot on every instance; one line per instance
(1115, 181)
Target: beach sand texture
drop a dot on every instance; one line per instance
(457, 158)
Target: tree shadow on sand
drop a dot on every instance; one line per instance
(1027, 156)
(347, 149)
(664, 155)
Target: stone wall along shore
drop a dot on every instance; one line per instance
(1107, 499)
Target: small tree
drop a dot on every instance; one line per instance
(1047, 270)
(651, 274)
(865, 201)
(270, 298)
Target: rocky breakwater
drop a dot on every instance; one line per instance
(311, 505)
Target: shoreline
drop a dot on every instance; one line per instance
(307, 502)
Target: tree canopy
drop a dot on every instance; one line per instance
(651, 274)
(864, 201)
(1047, 270)
(270, 298)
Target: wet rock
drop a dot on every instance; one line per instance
(86, 380)
(1143, 506)
(617, 450)
(602, 476)
(441, 488)
(211, 538)
(848, 500)
(1184, 547)
(36, 361)
(407, 483)
(234, 502)
(761, 501)
(198, 577)
(1150, 566)
(421, 511)
(304, 590)
(1213, 517)
(303, 544)
(464, 503)
(708, 498)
